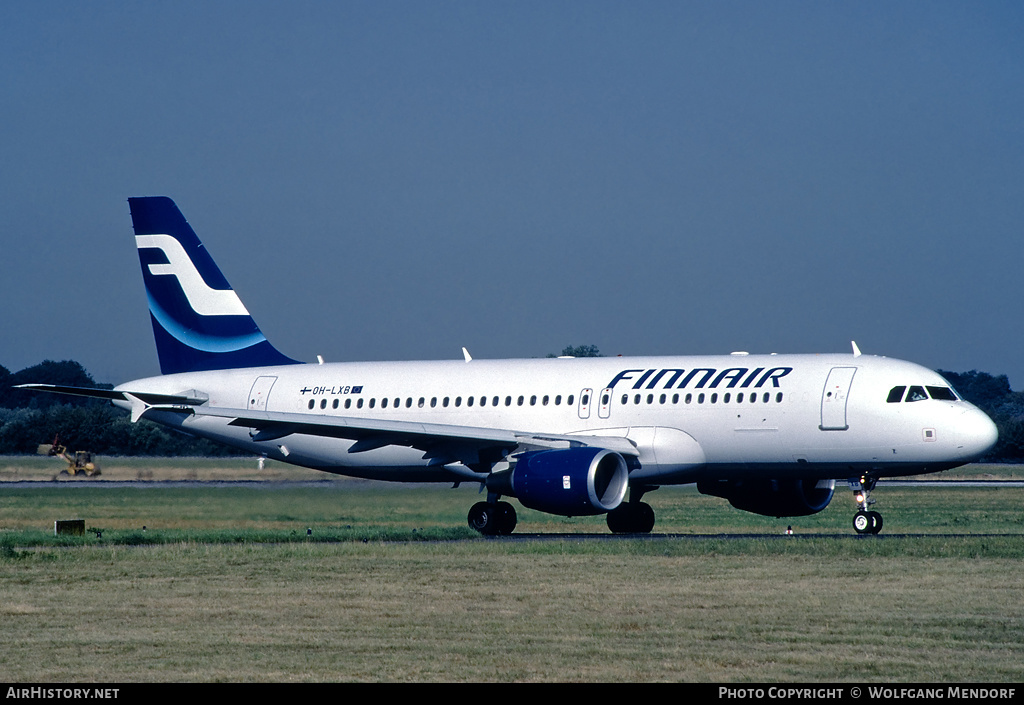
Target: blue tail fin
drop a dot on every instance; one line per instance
(198, 320)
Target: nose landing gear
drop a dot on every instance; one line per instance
(865, 521)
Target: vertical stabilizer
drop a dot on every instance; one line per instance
(198, 320)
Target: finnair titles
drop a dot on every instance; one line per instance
(573, 437)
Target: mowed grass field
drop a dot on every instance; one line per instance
(359, 581)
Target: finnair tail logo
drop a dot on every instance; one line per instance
(203, 300)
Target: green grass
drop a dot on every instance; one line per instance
(225, 584)
(357, 510)
(498, 611)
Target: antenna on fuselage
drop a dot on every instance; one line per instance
(856, 350)
(465, 354)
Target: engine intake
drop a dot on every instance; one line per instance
(771, 497)
(567, 482)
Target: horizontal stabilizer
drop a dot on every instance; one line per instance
(115, 395)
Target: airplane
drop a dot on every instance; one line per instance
(568, 436)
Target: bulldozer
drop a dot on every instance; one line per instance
(80, 463)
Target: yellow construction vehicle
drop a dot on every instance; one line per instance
(80, 464)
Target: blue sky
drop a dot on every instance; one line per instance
(395, 180)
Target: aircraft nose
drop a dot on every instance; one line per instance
(978, 434)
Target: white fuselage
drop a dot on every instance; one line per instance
(690, 418)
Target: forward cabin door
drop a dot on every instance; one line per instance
(833, 399)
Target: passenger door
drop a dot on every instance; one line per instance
(834, 397)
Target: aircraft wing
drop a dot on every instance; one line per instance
(441, 444)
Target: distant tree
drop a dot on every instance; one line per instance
(982, 389)
(580, 351)
(66, 373)
(5, 386)
(992, 394)
(29, 419)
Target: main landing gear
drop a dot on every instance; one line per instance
(864, 521)
(634, 516)
(493, 518)
(497, 518)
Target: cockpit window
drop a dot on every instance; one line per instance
(916, 394)
(896, 395)
(943, 393)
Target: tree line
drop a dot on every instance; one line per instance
(29, 419)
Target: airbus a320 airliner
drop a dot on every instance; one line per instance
(769, 433)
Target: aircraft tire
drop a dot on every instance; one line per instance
(618, 520)
(483, 518)
(631, 518)
(505, 518)
(645, 518)
(862, 522)
(876, 522)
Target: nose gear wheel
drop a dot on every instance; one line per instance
(865, 521)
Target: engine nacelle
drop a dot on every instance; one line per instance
(773, 498)
(567, 482)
